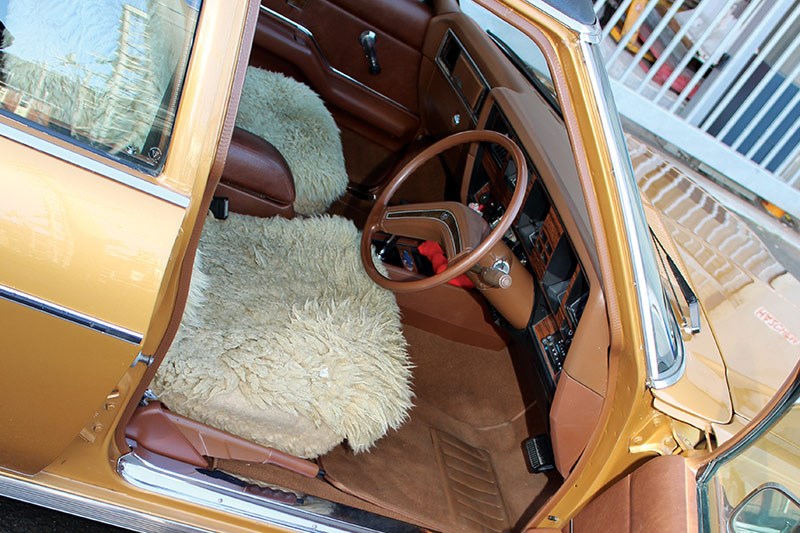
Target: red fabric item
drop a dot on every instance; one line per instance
(435, 254)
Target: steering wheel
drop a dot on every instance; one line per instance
(463, 234)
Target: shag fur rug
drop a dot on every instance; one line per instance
(294, 119)
(285, 340)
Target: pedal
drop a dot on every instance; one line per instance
(539, 453)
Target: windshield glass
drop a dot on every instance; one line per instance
(104, 75)
(518, 47)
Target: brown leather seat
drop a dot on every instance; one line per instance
(256, 179)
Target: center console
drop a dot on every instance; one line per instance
(539, 241)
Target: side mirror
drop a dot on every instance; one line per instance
(768, 508)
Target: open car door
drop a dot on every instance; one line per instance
(91, 211)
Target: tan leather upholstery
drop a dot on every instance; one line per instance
(659, 496)
(256, 178)
(159, 430)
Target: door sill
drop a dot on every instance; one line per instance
(181, 481)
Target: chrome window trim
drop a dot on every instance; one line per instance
(60, 152)
(589, 33)
(67, 502)
(305, 31)
(173, 479)
(64, 313)
(654, 312)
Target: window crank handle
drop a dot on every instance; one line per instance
(367, 40)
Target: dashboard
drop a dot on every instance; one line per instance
(538, 237)
(539, 241)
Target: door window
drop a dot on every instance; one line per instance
(102, 74)
(755, 487)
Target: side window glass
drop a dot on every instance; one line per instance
(105, 75)
(755, 488)
(767, 509)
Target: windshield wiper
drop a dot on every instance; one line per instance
(688, 294)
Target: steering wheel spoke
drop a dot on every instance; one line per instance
(453, 225)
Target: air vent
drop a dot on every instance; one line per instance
(449, 53)
(500, 154)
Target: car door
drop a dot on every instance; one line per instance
(88, 224)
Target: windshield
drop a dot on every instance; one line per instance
(526, 56)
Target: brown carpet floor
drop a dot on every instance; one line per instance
(457, 464)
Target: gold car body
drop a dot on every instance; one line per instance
(107, 244)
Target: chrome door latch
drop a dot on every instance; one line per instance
(367, 40)
(141, 358)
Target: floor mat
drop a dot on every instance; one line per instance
(449, 469)
(470, 482)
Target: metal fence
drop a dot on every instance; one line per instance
(718, 79)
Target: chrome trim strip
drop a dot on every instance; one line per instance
(440, 215)
(47, 147)
(173, 479)
(66, 502)
(589, 33)
(305, 31)
(58, 311)
(656, 318)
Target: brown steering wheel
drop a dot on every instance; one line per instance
(463, 234)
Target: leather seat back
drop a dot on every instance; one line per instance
(256, 179)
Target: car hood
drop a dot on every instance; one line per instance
(749, 299)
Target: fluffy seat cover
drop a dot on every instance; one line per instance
(294, 119)
(285, 340)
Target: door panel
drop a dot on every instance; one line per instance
(286, 49)
(317, 41)
(83, 261)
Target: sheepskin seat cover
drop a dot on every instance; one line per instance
(285, 340)
(294, 119)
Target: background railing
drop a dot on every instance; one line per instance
(719, 80)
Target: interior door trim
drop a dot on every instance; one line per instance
(64, 313)
(305, 31)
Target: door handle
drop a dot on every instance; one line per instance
(367, 40)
